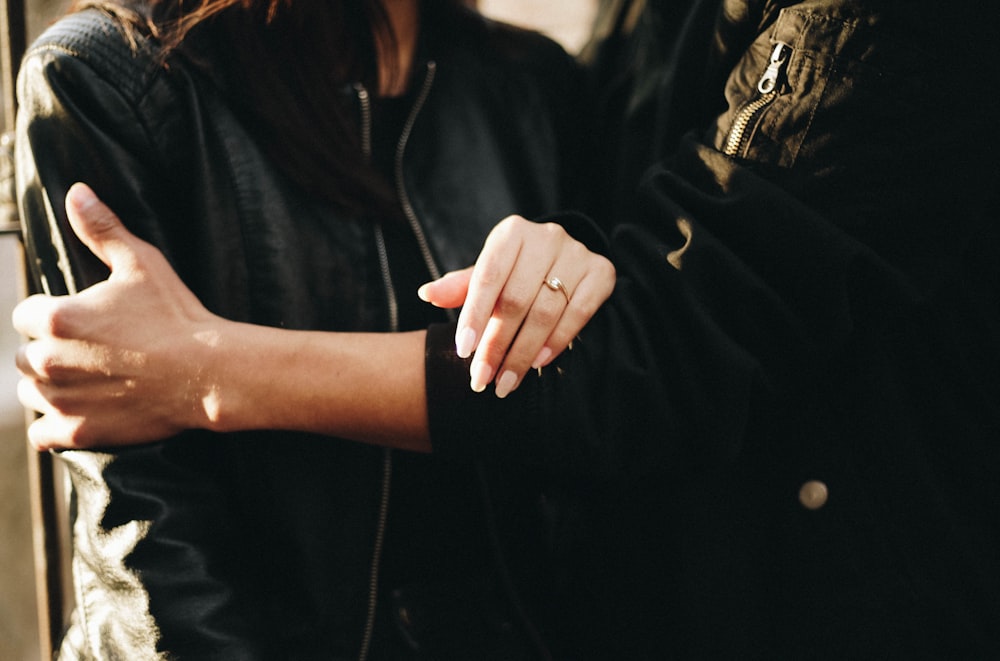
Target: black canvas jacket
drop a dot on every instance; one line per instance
(780, 438)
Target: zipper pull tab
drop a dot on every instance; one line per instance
(779, 58)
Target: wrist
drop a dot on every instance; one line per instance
(252, 376)
(214, 402)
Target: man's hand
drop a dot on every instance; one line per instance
(118, 362)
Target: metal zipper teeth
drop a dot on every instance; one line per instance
(432, 267)
(744, 119)
(768, 87)
(364, 100)
(383, 515)
(404, 198)
(383, 506)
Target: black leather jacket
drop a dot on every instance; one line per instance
(262, 545)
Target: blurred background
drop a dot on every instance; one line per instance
(18, 606)
(567, 21)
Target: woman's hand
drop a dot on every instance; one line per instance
(137, 357)
(532, 290)
(122, 361)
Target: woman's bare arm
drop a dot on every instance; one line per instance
(137, 358)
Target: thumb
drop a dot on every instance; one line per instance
(448, 291)
(98, 227)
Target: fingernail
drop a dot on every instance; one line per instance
(465, 342)
(481, 375)
(505, 384)
(81, 196)
(422, 294)
(542, 357)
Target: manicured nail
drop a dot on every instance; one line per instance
(506, 384)
(481, 375)
(465, 342)
(542, 357)
(422, 293)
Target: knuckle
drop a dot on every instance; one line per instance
(515, 220)
(513, 302)
(44, 364)
(59, 400)
(547, 316)
(551, 229)
(582, 252)
(78, 436)
(60, 320)
(492, 353)
(489, 274)
(606, 268)
(505, 227)
(579, 312)
(50, 368)
(102, 221)
(141, 254)
(56, 431)
(558, 341)
(573, 321)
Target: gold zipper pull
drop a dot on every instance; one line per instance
(772, 75)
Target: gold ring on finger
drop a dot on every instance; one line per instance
(555, 284)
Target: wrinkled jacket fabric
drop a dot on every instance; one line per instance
(261, 545)
(782, 431)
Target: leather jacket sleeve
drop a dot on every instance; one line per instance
(162, 538)
(200, 546)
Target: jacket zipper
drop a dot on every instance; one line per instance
(393, 305)
(768, 89)
(404, 197)
(383, 511)
(435, 272)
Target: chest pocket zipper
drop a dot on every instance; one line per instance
(768, 89)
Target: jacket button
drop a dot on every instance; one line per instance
(813, 495)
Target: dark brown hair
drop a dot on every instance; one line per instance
(285, 65)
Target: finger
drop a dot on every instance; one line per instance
(100, 229)
(35, 360)
(80, 414)
(549, 307)
(448, 291)
(23, 364)
(512, 307)
(30, 396)
(53, 432)
(32, 316)
(61, 362)
(523, 301)
(590, 293)
(66, 398)
(489, 277)
(546, 333)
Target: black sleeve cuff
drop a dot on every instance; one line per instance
(446, 379)
(476, 424)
